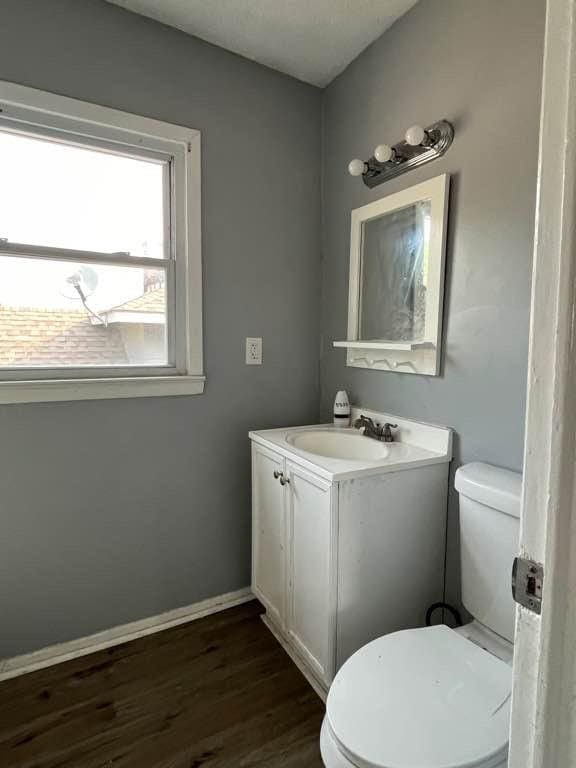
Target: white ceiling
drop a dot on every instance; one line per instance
(313, 40)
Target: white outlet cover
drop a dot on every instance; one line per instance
(254, 351)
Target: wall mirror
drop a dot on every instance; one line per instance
(397, 255)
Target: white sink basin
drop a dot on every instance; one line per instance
(342, 453)
(339, 445)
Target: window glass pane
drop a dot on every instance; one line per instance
(65, 314)
(65, 196)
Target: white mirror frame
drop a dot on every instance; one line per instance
(421, 357)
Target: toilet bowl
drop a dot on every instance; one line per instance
(437, 697)
(426, 697)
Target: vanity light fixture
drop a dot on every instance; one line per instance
(416, 135)
(385, 154)
(420, 146)
(357, 167)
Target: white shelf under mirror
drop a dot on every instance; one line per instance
(402, 346)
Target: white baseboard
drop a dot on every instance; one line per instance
(56, 654)
(317, 685)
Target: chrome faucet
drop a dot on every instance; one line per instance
(370, 429)
(375, 431)
(387, 435)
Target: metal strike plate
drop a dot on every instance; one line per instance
(527, 581)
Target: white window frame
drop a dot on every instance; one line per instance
(43, 112)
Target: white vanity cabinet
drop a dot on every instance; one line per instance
(310, 527)
(269, 533)
(292, 571)
(345, 551)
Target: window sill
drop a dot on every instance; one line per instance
(59, 390)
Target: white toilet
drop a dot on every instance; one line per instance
(438, 697)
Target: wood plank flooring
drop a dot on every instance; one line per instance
(217, 693)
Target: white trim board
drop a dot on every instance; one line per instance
(543, 727)
(73, 649)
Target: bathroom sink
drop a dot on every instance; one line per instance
(338, 453)
(339, 445)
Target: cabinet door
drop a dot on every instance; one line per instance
(310, 614)
(268, 532)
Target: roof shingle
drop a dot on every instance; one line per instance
(54, 337)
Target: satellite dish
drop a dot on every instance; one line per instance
(80, 284)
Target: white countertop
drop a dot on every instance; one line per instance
(402, 454)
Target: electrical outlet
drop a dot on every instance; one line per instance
(254, 351)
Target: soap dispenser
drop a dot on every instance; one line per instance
(342, 409)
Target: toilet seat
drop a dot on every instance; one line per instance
(423, 697)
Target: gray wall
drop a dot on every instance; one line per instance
(115, 510)
(479, 65)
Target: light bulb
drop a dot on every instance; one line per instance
(415, 135)
(356, 167)
(383, 153)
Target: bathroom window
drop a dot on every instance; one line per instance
(100, 268)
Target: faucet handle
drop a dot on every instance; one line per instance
(386, 432)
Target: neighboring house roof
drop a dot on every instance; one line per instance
(148, 309)
(152, 301)
(53, 337)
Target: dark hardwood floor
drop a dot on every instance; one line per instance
(219, 692)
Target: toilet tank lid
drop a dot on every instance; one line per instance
(495, 487)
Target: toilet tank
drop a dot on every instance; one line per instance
(489, 531)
